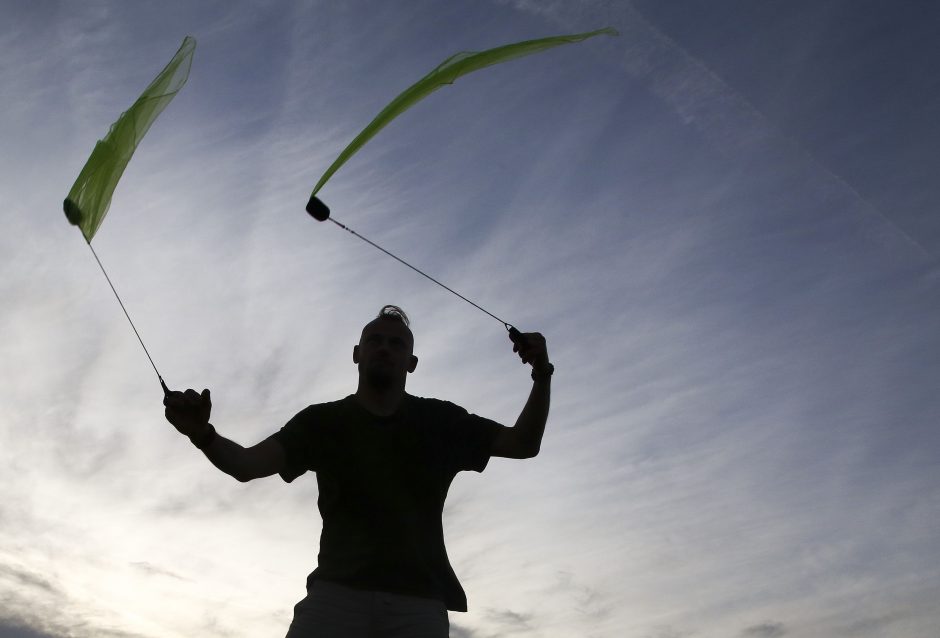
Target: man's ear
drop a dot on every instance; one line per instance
(413, 363)
(356, 354)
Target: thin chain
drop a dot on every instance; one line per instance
(118, 297)
(508, 326)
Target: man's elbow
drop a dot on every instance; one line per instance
(243, 475)
(238, 471)
(531, 452)
(259, 461)
(512, 443)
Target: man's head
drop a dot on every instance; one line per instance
(385, 351)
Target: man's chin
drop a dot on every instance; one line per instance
(380, 379)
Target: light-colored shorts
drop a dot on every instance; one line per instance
(336, 611)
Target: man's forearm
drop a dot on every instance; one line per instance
(530, 426)
(225, 454)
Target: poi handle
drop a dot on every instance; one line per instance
(515, 336)
(317, 209)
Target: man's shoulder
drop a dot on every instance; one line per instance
(430, 402)
(317, 411)
(435, 407)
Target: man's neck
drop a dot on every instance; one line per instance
(380, 401)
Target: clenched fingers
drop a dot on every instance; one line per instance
(530, 347)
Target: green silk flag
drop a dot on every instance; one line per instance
(88, 201)
(445, 73)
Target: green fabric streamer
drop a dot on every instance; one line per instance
(88, 201)
(447, 72)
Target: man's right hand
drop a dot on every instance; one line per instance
(188, 411)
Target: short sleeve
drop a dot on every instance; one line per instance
(470, 438)
(298, 438)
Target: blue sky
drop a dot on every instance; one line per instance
(724, 221)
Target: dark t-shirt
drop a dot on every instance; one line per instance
(383, 481)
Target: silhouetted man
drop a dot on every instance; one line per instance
(384, 461)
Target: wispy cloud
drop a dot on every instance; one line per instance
(765, 630)
(9, 628)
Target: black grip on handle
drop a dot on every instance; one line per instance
(166, 390)
(317, 209)
(515, 336)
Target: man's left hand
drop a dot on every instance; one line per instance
(532, 349)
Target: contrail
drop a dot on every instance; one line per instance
(700, 98)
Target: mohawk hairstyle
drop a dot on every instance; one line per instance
(394, 313)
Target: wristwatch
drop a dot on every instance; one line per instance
(544, 373)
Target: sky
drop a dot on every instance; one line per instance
(724, 221)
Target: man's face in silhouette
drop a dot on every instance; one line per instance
(384, 353)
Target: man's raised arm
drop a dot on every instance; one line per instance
(189, 413)
(524, 439)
